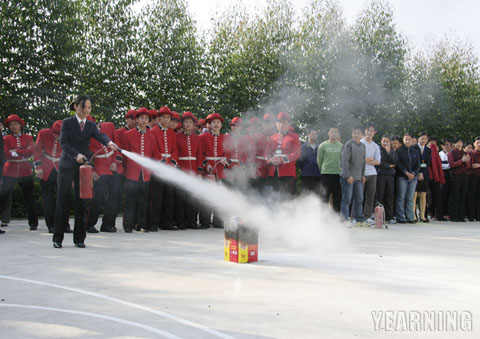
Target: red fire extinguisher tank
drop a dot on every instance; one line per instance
(86, 181)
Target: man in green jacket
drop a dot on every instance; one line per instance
(329, 162)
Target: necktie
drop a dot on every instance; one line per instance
(82, 124)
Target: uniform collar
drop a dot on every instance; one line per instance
(187, 133)
(214, 134)
(140, 131)
(17, 135)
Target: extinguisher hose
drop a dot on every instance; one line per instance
(93, 156)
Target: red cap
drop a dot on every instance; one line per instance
(267, 117)
(190, 115)
(130, 114)
(202, 122)
(142, 110)
(283, 116)
(57, 126)
(179, 125)
(164, 110)
(236, 121)
(254, 120)
(153, 112)
(89, 117)
(13, 117)
(212, 116)
(175, 116)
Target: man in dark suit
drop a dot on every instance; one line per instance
(75, 138)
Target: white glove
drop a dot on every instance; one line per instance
(14, 154)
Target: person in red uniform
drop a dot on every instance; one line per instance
(119, 176)
(18, 148)
(155, 119)
(46, 158)
(283, 150)
(105, 164)
(473, 195)
(213, 160)
(188, 145)
(140, 140)
(175, 122)
(236, 150)
(161, 192)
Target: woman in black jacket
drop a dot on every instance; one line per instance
(407, 167)
(386, 177)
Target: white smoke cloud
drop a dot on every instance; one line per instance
(303, 223)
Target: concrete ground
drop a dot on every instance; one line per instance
(176, 285)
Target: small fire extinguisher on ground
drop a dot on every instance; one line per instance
(380, 216)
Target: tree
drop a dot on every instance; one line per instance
(38, 42)
(172, 58)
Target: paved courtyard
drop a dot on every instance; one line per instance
(177, 285)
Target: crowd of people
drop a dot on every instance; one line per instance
(352, 178)
(409, 176)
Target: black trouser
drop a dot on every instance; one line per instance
(105, 184)
(136, 203)
(205, 213)
(161, 203)
(6, 213)
(116, 197)
(64, 184)
(331, 186)
(311, 184)
(385, 191)
(436, 199)
(446, 193)
(49, 187)
(26, 185)
(185, 208)
(473, 198)
(282, 185)
(459, 196)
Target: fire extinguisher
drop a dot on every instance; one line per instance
(86, 178)
(379, 216)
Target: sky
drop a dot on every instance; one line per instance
(422, 22)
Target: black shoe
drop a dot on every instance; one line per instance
(194, 226)
(154, 229)
(33, 228)
(218, 226)
(138, 228)
(57, 244)
(2, 231)
(128, 230)
(4, 225)
(92, 229)
(204, 226)
(462, 220)
(169, 227)
(471, 220)
(80, 244)
(411, 221)
(425, 220)
(67, 230)
(105, 229)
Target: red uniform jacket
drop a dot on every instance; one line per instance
(143, 143)
(47, 152)
(167, 144)
(236, 149)
(287, 147)
(258, 145)
(18, 166)
(457, 165)
(105, 156)
(212, 152)
(188, 147)
(119, 141)
(475, 159)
